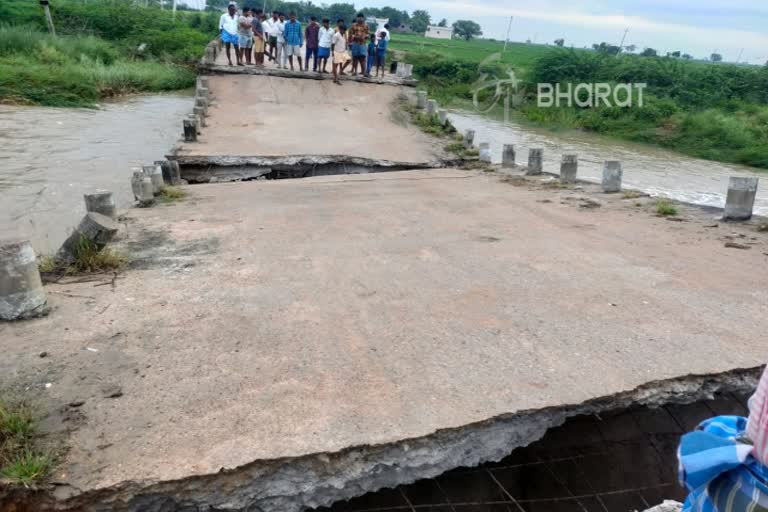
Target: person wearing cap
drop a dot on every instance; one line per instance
(228, 26)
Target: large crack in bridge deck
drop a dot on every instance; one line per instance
(302, 341)
(258, 125)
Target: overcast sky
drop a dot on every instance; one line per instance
(698, 27)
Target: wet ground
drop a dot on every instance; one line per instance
(653, 170)
(50, 157)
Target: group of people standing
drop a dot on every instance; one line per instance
(255, 36)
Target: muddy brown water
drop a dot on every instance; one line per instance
(50, 157)
(656, 171)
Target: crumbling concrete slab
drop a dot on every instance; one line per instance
(291, 343)
(264, 120)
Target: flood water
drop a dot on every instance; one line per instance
(50, 157)
(656, 171)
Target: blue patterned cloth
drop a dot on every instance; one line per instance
(292, 33)
(717, 467)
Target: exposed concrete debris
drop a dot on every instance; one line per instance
(293, 484)
(667, 506)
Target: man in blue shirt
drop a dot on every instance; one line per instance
(294, 39)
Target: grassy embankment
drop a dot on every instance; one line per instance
(103, 49)
(713, 111)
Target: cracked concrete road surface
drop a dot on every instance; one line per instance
(277, 319)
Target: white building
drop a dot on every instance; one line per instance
(439, 32)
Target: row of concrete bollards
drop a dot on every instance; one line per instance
(196, 121)
(22, 294)
(739, 202)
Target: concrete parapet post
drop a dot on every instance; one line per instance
(469, 138)
(202, 82)
(569, 167)
(403, 70)
(508, 156)
(612, 176)
(535, 162)
(175, 172)
(101, 202)
(202, 92)
(21, 290)
(98, 229)
(210, 55)
(431, 107)
(136, 180)
(740, 199)
(202, 104)
(190, 130)
(171, 171)
(147, 197)
(199, 113)
(485, 152)
(442, 116)
(421, 99)
(155, 174)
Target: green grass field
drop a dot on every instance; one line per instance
(94, 57)
(519, 56)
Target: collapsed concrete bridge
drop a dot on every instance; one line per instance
(284, 345)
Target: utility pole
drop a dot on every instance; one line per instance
(174, 9)
(738, 59)
(509, 29)
(48, 17)
(621, 44)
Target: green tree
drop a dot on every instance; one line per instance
(560, 42)
(608, 49)
(649, 52)
(716, 57)
(443, 23)
(396, 17)
(420, 20)
(467, 29)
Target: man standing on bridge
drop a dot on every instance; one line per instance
(294, 39)
(312, 37)
(229, 29)
(358, 40)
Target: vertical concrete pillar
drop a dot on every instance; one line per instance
(202, 82)
(199, 113)
(101, 202)
(535, 162)
(421, 99)
(210, 55)
(136, 180)
(21, 290)
(202, 104)
(155, 175)
(431, 107)
(485, 152)
(175, 172)
(171, 171)
(190, 130)
(147, 197)
(508, 156)
(569, 167)
(442, 116)
(469, 138)
(612, 176)
(740, 199)
(202, 92)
